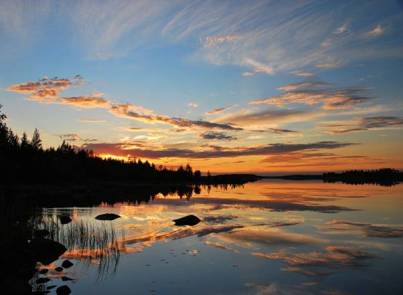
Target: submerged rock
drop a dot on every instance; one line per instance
(64, 219)
(63, 290)
(107, 216)
(42, 280)
(59, 269)
(66, 279)
(187, 220)
(45, 251)
(43, 271)
(67, 263)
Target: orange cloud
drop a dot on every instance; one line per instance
(134, 112)
(86, 101)
(46, 88)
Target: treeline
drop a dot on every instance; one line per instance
(26, 161)
(385, 176)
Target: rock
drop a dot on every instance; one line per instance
(59, 269)
(42, 280)
(45, 251)
(41, 233)
(63, 290)
(187, 220)
(107, 216)
(67, 263)
(64, 219)
(43, 271)
(65, 279)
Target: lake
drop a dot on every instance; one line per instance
(266, 237)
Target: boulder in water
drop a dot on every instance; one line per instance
(45, 251)
(63, 290)
(67, 263)
(107, 216)
(42, 280)
(43, 271)
(187, 220)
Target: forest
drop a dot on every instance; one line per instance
(24, 160)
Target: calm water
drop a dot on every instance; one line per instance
(268, 237)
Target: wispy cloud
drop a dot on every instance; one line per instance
(193, 105)
(263, 41)
(317, 92)
(113, 28)
(297, 156)
(363, 124)
(261, 118)
(212, 41)
(46, 88)
(304, 74)
(343, 29)
(211, 135)
(91, 120)
(74, 137)
(86, 101)
(217, 111)
(377, 31)
(131, 112)
(253, 34)
(282, 131)
(124, 149)
(48, 91)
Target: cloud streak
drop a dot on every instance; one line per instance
(364, 124)
(317, 92)
(48, 91)
(211, 135)
(131, 111)
(271, 149)
(261, 118)
(46, 88)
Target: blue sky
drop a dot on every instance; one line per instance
(286, 73)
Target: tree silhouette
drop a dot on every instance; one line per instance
(36, 141)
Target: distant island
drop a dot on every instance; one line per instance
(384, 176)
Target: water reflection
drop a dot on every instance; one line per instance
(90, 242)
(264, 238)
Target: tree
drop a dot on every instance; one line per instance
(24, 142)
(2, 115)
(36, 141)
(197, 174)
(3, 130)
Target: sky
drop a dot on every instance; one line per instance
(226, 86)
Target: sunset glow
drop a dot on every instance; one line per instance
(251, 86)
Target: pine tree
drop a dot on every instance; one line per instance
(36, 141)
(24, 142)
